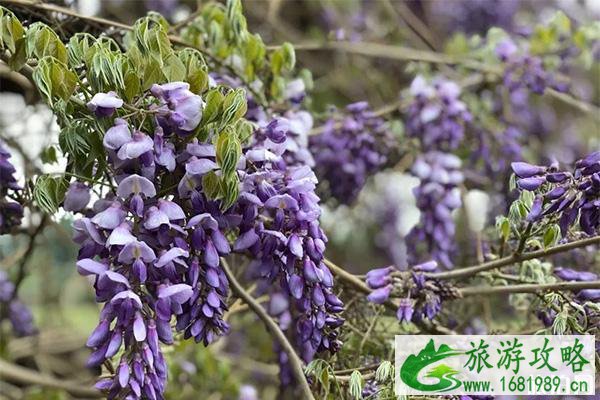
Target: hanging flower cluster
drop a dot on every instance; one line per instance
(420, 297)
(11, 210)
(347, 152)
(155, 256)
(437, 197)
(13, 310)
(568, 197)
(523, 70)
(288, 244)
(436, 116)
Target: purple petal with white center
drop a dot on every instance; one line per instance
(200, 166)
(139, 328)
(117, 135)
(296, 286)
(135, 184)
(127, 295)
(171, 209)
(87, 266)
(83, 229)
(245, 240)
(171, 255)
(154, 218)
(179, 293)
(121, 235)
(110, 218)
(140, 144)
(282, 201)
(77, 197)
(136, 250)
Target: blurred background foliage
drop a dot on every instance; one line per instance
(241, 365)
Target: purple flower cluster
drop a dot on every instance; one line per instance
(11, 210)
(436, 115)
(420, 297)
(568, 197)
(437, 197)
(14, 310)
(152, 257)
(154, 246)
(350, 150)
(287, 244)
(525, 71)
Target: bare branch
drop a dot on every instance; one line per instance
(296, 363)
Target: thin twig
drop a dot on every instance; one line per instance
(503, 262)
(393, 52)
(22, 271)
(20, 374)
(295, 362)
(528, 288)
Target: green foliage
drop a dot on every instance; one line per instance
(49, 192)
(356, 385)
(54, 79)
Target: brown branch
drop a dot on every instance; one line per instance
(295, 362)
(512, 259)
(22, 272)
(528, 288)
(23, 375)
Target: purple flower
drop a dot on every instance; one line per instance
(104, 104)
(77, 197)
(11, 211)
(380, 296)
(348, 151)
(180, 110)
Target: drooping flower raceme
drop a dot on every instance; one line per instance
(11, 210)
(437, 197)
(523, 70)
(154, 249)
(564, 196)
(436, 116)
(347, 152)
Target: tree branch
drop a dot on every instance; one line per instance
(20, 374)
(393, 52)
(502, 262)
(296, 363)
(22, 272)
(528, 288)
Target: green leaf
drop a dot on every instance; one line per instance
(234, 106)
(54, 79)
(49, 192)
(384, 372)
(196, 71)
(79, 47)
(42, 41)
(214, 98)
(355, 385)
(551, 236)
(210, 185)
(48, 155)
(229, 151)
(174, 70)
(11, 30)
(230, 189)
